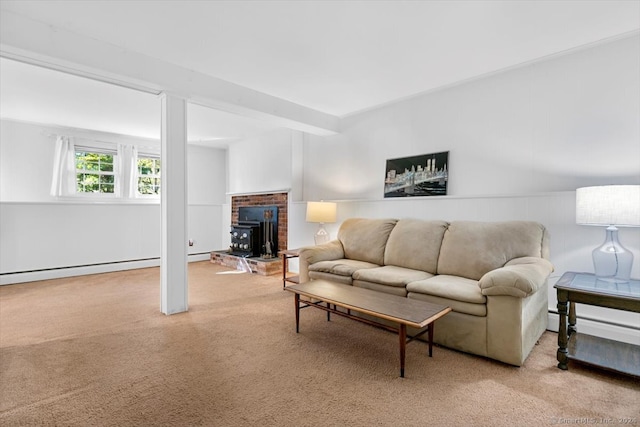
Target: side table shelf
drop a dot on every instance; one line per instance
(286, 255)
(585, 288)
(604, 353)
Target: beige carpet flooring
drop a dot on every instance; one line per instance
(96, 351)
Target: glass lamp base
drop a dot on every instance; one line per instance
(322, 235)
(611, 260)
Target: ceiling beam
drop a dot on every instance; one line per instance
(41, 44)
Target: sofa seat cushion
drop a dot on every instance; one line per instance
(341, 267)
(393, 290)
(450, 287)
(390, 275)
(320, 275)
(479, 310)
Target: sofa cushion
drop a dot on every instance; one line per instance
(415, 243)
(340, 267)
(390, 275)
(479, 310)
(393, 290)
(471, 249)
(365, 239)
(450, 287)
(321, 275)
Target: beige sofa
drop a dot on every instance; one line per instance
(492, 274)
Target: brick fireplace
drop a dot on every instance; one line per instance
(270, 199)
(260, 266)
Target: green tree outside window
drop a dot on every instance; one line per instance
(94, 172)
(148, 176)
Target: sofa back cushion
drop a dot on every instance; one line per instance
(365, 239)
(471, 249)
(415, 244)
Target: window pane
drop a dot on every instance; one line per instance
(106, 167)
(148, 175)
(106, 188)
(101, 178)
(107, 179)
(145, 166)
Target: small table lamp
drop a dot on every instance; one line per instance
(611, 206)
(321, 212)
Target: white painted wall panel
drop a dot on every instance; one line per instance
(207, 175)
(26, 161)
(261, 164)
(205, 229)
(49, 235)
(37, 236)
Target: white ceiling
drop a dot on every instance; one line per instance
(338, 57)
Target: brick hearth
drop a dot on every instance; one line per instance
(261, 266)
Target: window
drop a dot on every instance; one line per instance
(148, 175)
(95, 171)
(98, 169)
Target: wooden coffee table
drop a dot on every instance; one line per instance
(398, 310)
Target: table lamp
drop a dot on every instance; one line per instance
(610, 206)
(321, 212)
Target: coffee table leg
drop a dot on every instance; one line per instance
(430, 326)
(403, 346)
(297, 301)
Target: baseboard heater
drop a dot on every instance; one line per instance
(600, 320)
(15, 277)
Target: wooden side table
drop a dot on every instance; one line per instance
(286, 255)
(586, 288)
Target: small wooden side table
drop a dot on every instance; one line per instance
(586, 288)
(286, 255)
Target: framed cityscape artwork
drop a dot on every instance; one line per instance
(424, 175)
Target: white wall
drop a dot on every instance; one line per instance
(555, 125)
(207, 175)
(520, 143)
(261, 164)
(26, 161)
(39, 232)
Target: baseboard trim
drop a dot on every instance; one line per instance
(57, 273)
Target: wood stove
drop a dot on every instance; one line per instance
(256, 233)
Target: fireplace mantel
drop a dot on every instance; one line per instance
(258, 193)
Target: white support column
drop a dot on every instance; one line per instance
(173, 264)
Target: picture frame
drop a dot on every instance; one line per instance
(416, 176)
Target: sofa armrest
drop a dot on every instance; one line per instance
(519, 277)
(312, 254)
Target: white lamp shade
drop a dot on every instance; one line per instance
(322, 212)
(608, 205)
